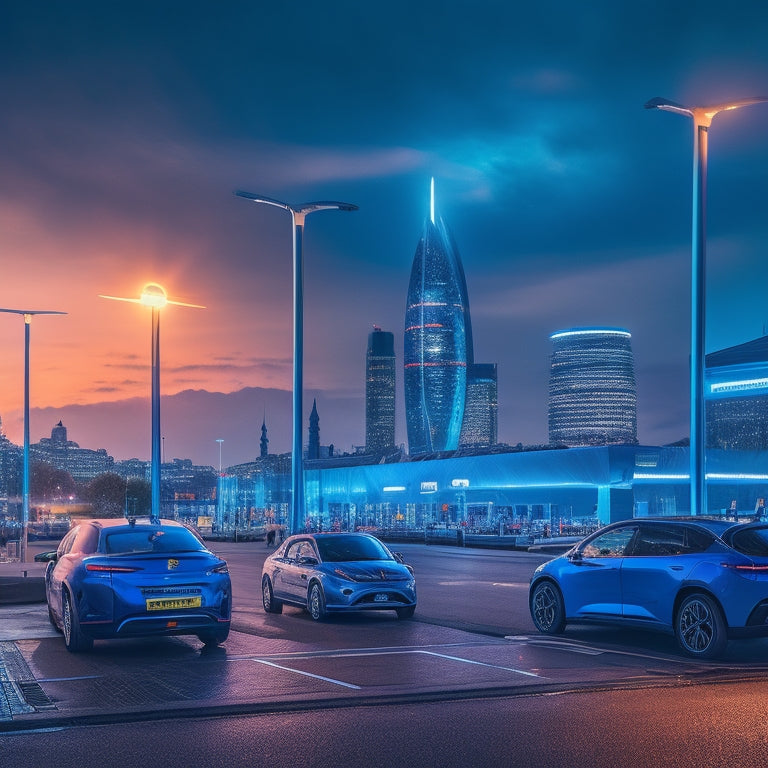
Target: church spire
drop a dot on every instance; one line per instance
(313, 451)
(264, 442)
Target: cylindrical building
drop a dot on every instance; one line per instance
(592, 392)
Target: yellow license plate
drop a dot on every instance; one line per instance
(172, 603)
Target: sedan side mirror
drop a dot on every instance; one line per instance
(575, 556)
(308, 560)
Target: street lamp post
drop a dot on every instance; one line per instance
(25, 466)
(298, 214)
(155, 297)
(702, 119)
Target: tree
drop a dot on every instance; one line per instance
(138, 497)
(47, 483)
(106, 494)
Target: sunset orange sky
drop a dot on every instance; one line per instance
(125, 131)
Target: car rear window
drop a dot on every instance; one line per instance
(131, 541)
(751, 541)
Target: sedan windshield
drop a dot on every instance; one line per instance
(344, 549)
(132, 541)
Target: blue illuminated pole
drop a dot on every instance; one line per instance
(156, 456)
(27, 313)
(298, 215)
(155, 297)
(702, 119)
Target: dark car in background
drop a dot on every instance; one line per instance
(117, 578)
(337, 573)
(703, 580)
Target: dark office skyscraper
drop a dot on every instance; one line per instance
(380, 392)
(438, 342)
(480, 425)
(592, 394)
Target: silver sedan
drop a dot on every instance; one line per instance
(337, 573)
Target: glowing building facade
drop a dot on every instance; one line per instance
(736, 396)
(592, 392)
(380, 392)
(438, 335)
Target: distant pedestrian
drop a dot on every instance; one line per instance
(271, 537)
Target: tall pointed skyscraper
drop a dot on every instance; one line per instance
(438, 341)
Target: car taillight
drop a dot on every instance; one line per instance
(746, 568)
(110, 568)
(220, 568)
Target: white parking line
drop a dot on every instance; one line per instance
(306, 674)
(480, 663)
(558, 645)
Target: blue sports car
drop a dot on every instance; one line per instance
(703, 580)
(337, 573)
(128, 578)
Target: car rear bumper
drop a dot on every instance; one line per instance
(166, 624)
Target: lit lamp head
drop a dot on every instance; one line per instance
(702, 115)
(153, 295)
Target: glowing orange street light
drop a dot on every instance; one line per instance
(155, 297)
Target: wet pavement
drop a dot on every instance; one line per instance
(287, 662)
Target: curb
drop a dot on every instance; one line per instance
(22, 589)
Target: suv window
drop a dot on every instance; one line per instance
(669, 540)
(751, 541)
(610, 544)
(659, 541)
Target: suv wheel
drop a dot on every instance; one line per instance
(700, 628)
(547, 608)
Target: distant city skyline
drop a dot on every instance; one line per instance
(124, 134)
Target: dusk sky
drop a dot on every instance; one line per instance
(125, 128)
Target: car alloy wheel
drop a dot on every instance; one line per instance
(547, 610)
(74, 639)
(66, 620)
(700, 628)
(316, 602)
(268, 597)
